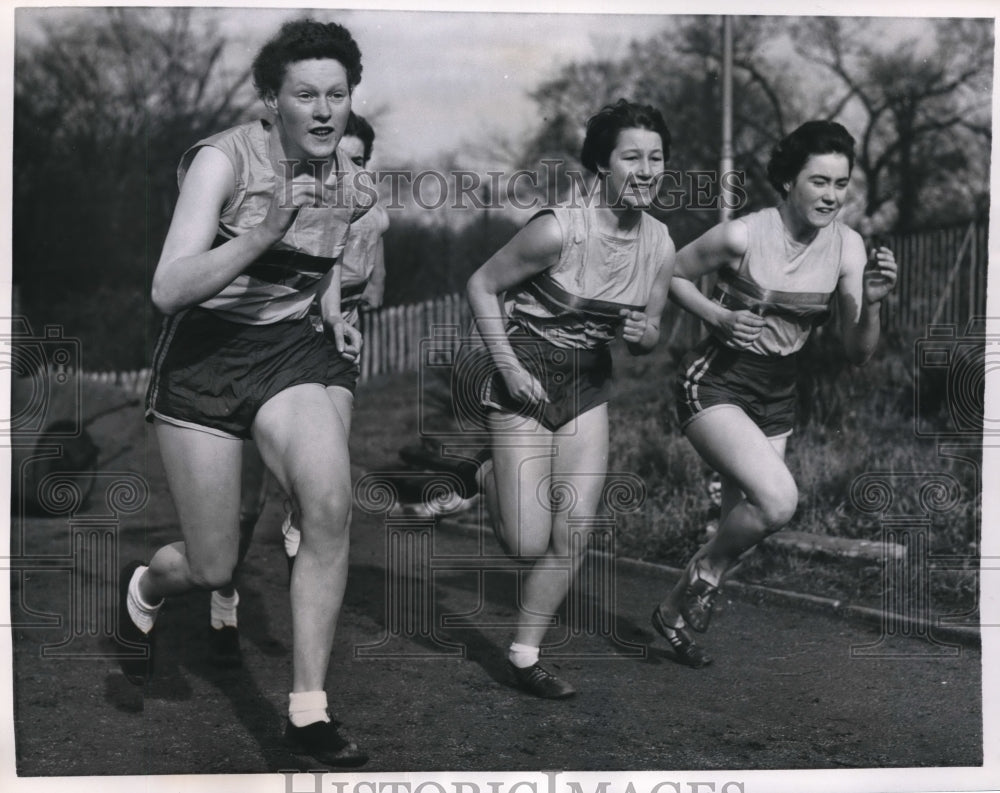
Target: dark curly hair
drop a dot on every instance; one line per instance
(359, 127)
(302, 40)
(603, 128)
(789, 157)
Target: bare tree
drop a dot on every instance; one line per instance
(678, 71)
(917, 94)
(105, 103)
(924, 107)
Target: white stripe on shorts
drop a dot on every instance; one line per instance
(698, 368)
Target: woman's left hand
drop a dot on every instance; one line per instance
(347, 338)
(635, 325)
(880, 275)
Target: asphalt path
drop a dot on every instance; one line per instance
(418, 673)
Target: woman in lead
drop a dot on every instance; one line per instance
(260, 222)
(547, 305)
(778, 272)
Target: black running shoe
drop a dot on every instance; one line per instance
(686, 649)
(697, 599)
(541, 682)
(322, 741)
(225, 647)
(138, 667)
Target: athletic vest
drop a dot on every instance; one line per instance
(283, 281)
(789, 285)
(358, 259)
(576, 303)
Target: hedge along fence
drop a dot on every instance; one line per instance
(942, 279)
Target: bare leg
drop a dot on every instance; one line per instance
(302, 436)
(203, 472)
(253, 493)
(759, 495)
(580, 464)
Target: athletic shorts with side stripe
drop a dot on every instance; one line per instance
(214, 375)
(763, 386)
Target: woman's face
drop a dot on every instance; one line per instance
(312, 107)
(634, 168)
(352, 147)
(818, 191)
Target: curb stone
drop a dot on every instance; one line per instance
(965, 635)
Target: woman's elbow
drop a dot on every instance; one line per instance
(475, 289)
(164, 299)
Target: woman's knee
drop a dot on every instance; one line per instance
(212, 573)
(327, 512)
(778, 504)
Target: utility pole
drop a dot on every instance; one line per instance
(726, 160)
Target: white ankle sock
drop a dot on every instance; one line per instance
(522, 655)
(224, 609)
(484, 471)
(291, 534)
(142, 614)
(306, 707)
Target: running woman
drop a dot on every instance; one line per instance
(262, 217)
(362, 268)
(547, 306)
(778, 272)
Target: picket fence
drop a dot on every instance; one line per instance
(394, 340)
(942, 277)
(942, 280)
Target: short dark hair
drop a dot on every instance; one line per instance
(303, 40)
(789, 157)
(359, 127)
(604, 126)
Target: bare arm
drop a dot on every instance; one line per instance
(532, 250)
(860, 293)
(347, 338)
(718, 247)
(190, 270)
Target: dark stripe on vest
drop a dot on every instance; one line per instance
(350, 295)
(557, 300)
(734, 292)
(287, 268)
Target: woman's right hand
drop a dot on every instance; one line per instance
(288, 198)
(524, 386)
(740, 327)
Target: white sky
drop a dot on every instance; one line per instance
(440, 79)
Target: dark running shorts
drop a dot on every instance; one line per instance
(713, 374)
(575, 381)
(212, 374)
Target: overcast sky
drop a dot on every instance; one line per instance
(437, 80)
(440, 79)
